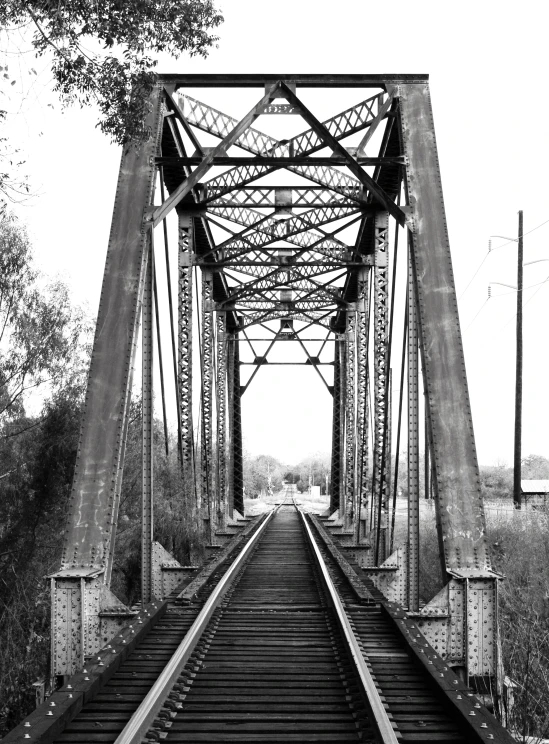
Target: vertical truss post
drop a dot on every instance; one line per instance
(335, 477)
(427, 457)
(350, 431)
(413, 450)
(147, 332)
(236, 473)
(207, 459)
(388, 463)
(185, 360)
(461, 512)
(80, 589)
(230, 423)
(362, 400)
(469, 635)
(221, 394)
(343, 422)
(381, 326)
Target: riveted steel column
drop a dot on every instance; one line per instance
(413, 449)
(207, 459)
(350, 431)
(362, 397)
(381, 326)
(147, 426)
(343, 421)
(79, 589)
(96, 483)
(221, 396)
(459, 504)
(236, 478)
(335, 477)
(185, 359)
(458, 500)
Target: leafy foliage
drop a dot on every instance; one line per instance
(521, 552)
(264, 471)
(535, 467)
(14, 185)
(105, 52)
(37, 459)
(40, 330)
(262, 474)
(177, 523)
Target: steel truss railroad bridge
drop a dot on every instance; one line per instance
(283, 238)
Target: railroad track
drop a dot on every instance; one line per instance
(281, 650)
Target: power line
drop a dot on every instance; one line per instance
(474, 275)
(514, 291)
(476, 316)
(539, 286)
(495, 249)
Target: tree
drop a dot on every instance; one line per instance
(313, 471)
(261, 474)
(496, 481)
(37, 467)
(104, 53)
(40, 331)
(535, 467)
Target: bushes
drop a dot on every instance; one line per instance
(520, 542)
(520, 551)
(37, 466)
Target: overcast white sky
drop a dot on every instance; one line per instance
(485, 61)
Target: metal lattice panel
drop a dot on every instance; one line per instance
(206, 398)
(185, 319)
(362, 389)
(350, 420)
(221, 398)
(381, 318)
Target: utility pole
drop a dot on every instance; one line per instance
(518, 376)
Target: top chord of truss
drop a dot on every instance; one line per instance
(304, 81)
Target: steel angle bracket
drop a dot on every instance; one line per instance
(85, 615)
(461, 624)
(390, 576)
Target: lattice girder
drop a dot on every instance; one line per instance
(210, 120)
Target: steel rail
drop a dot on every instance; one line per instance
(381, 718)
(145, 715)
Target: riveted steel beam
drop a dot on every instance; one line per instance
(259, 80)
(381, 337)
(147, 399)
(80, 588)
(221, 398)
(362, 323)
(236, 479)
(279, 162)
(413, 450)
(350, 417)
(337, 425)
(185, 357)
(459, 503)
(94, 495)
(207, 359)
(469, 598)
